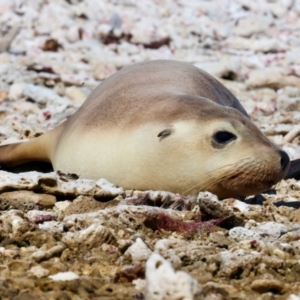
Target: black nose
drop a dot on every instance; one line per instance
(285, 160)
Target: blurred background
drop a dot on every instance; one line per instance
(53, 53)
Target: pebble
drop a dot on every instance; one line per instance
(231, 262)
(42, 200)
(139, 251)
(252, 25)
(38, 216)
(40, 255)
(39, 272)
(293, 297)
(162, 282)
(82, 204)
(62, 205)
(75, 94)
(237, 204)
(241, 233)
(64, 276)
(93, 236)
(271, 229)
(268, 285)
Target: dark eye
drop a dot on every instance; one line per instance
(223, 137)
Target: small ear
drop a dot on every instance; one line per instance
(164, 133)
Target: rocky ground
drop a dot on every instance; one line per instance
(62, 237)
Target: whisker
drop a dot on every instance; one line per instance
(242, 177)
(210, 182)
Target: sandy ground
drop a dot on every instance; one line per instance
(67, 238)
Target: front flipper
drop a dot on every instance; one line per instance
(37, 149)
(12, 155)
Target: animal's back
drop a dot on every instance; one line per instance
(127, 97)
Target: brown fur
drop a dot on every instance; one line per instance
(134, 89)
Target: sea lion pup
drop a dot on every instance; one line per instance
(160, 125)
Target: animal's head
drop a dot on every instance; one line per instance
(243, 161)
(223, 152)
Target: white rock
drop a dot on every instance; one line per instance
(272, 77)
(164, 283)
(64, 276)
(140, 284)
(222, 67)
(42, 95)
(16, 90)
(252, 24)
(72, 34)
(232, 261)
(14, 222)
(9, 252)
(267, 45)
(165, 247)
(61, 205)
(139, 251)
(240, 205)
(53, 226)
(39, 271)
(278, 10)
(256, 45)
(162, 245)
(272, 229)
(75, 94)
(35, 180)
(292, 134)
(241, 234)
(293, 297)
(93, 236)
(108, 187)
(46, 254)
(33, 214)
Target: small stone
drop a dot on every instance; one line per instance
(237, 204)
(219, 239)
(139, 251)
(42, 200)
(272, 77)
(83, 204)
(271, 229)
(64, 276)
(75, 94)
(16, 90)
(39, 272)
(62, 205)
(296, 216)
(241, 234)
(252, 24)
(38, 216)
(9, 253)
(293, 297)
(162, 282)
(268, 285)
(40, 255)
(3, 95)
(93, 236)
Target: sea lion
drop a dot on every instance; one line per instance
(160, 125)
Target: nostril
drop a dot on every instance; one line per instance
(285, 160)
